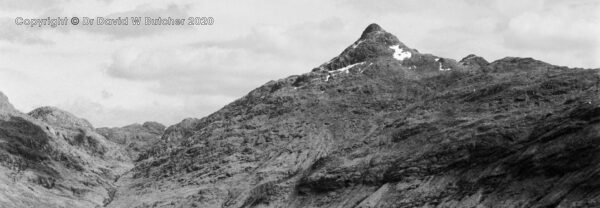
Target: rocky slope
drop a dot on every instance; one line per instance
(380, 125)
(135, 137)
(50, 158)
(384, 125)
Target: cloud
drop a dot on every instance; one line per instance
(308, 42)
(175, 72)
(115, 32)
(133, 31)
(290, 40)
(207, 71)
(105, 94)
(14, 74)
(569, 29)
(103, 115)
(553, 30)
(232, 67)
(559, 32)
(21, 34)
(34, 5)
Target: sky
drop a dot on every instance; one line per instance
(115, 75)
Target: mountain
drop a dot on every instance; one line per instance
(50, 158)
(135, 137)
(379, 125)
(384, 125)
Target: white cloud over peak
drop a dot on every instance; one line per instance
(231, 67)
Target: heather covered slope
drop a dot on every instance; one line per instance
(383, 125)
(51, 158)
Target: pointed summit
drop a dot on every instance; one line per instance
(377, 34)
(373, 43)
(371, 28)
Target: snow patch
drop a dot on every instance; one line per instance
(346, 68)
(399, 53)
(442, 68)
(363, 69)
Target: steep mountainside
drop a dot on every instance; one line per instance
(50, 158)
(384, 125)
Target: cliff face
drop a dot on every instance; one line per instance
(383, 125)
(380, 125)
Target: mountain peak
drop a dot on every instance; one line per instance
(374, 42)
(371, 28)
(377, 34)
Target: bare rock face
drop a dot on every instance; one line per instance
(383, 125)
